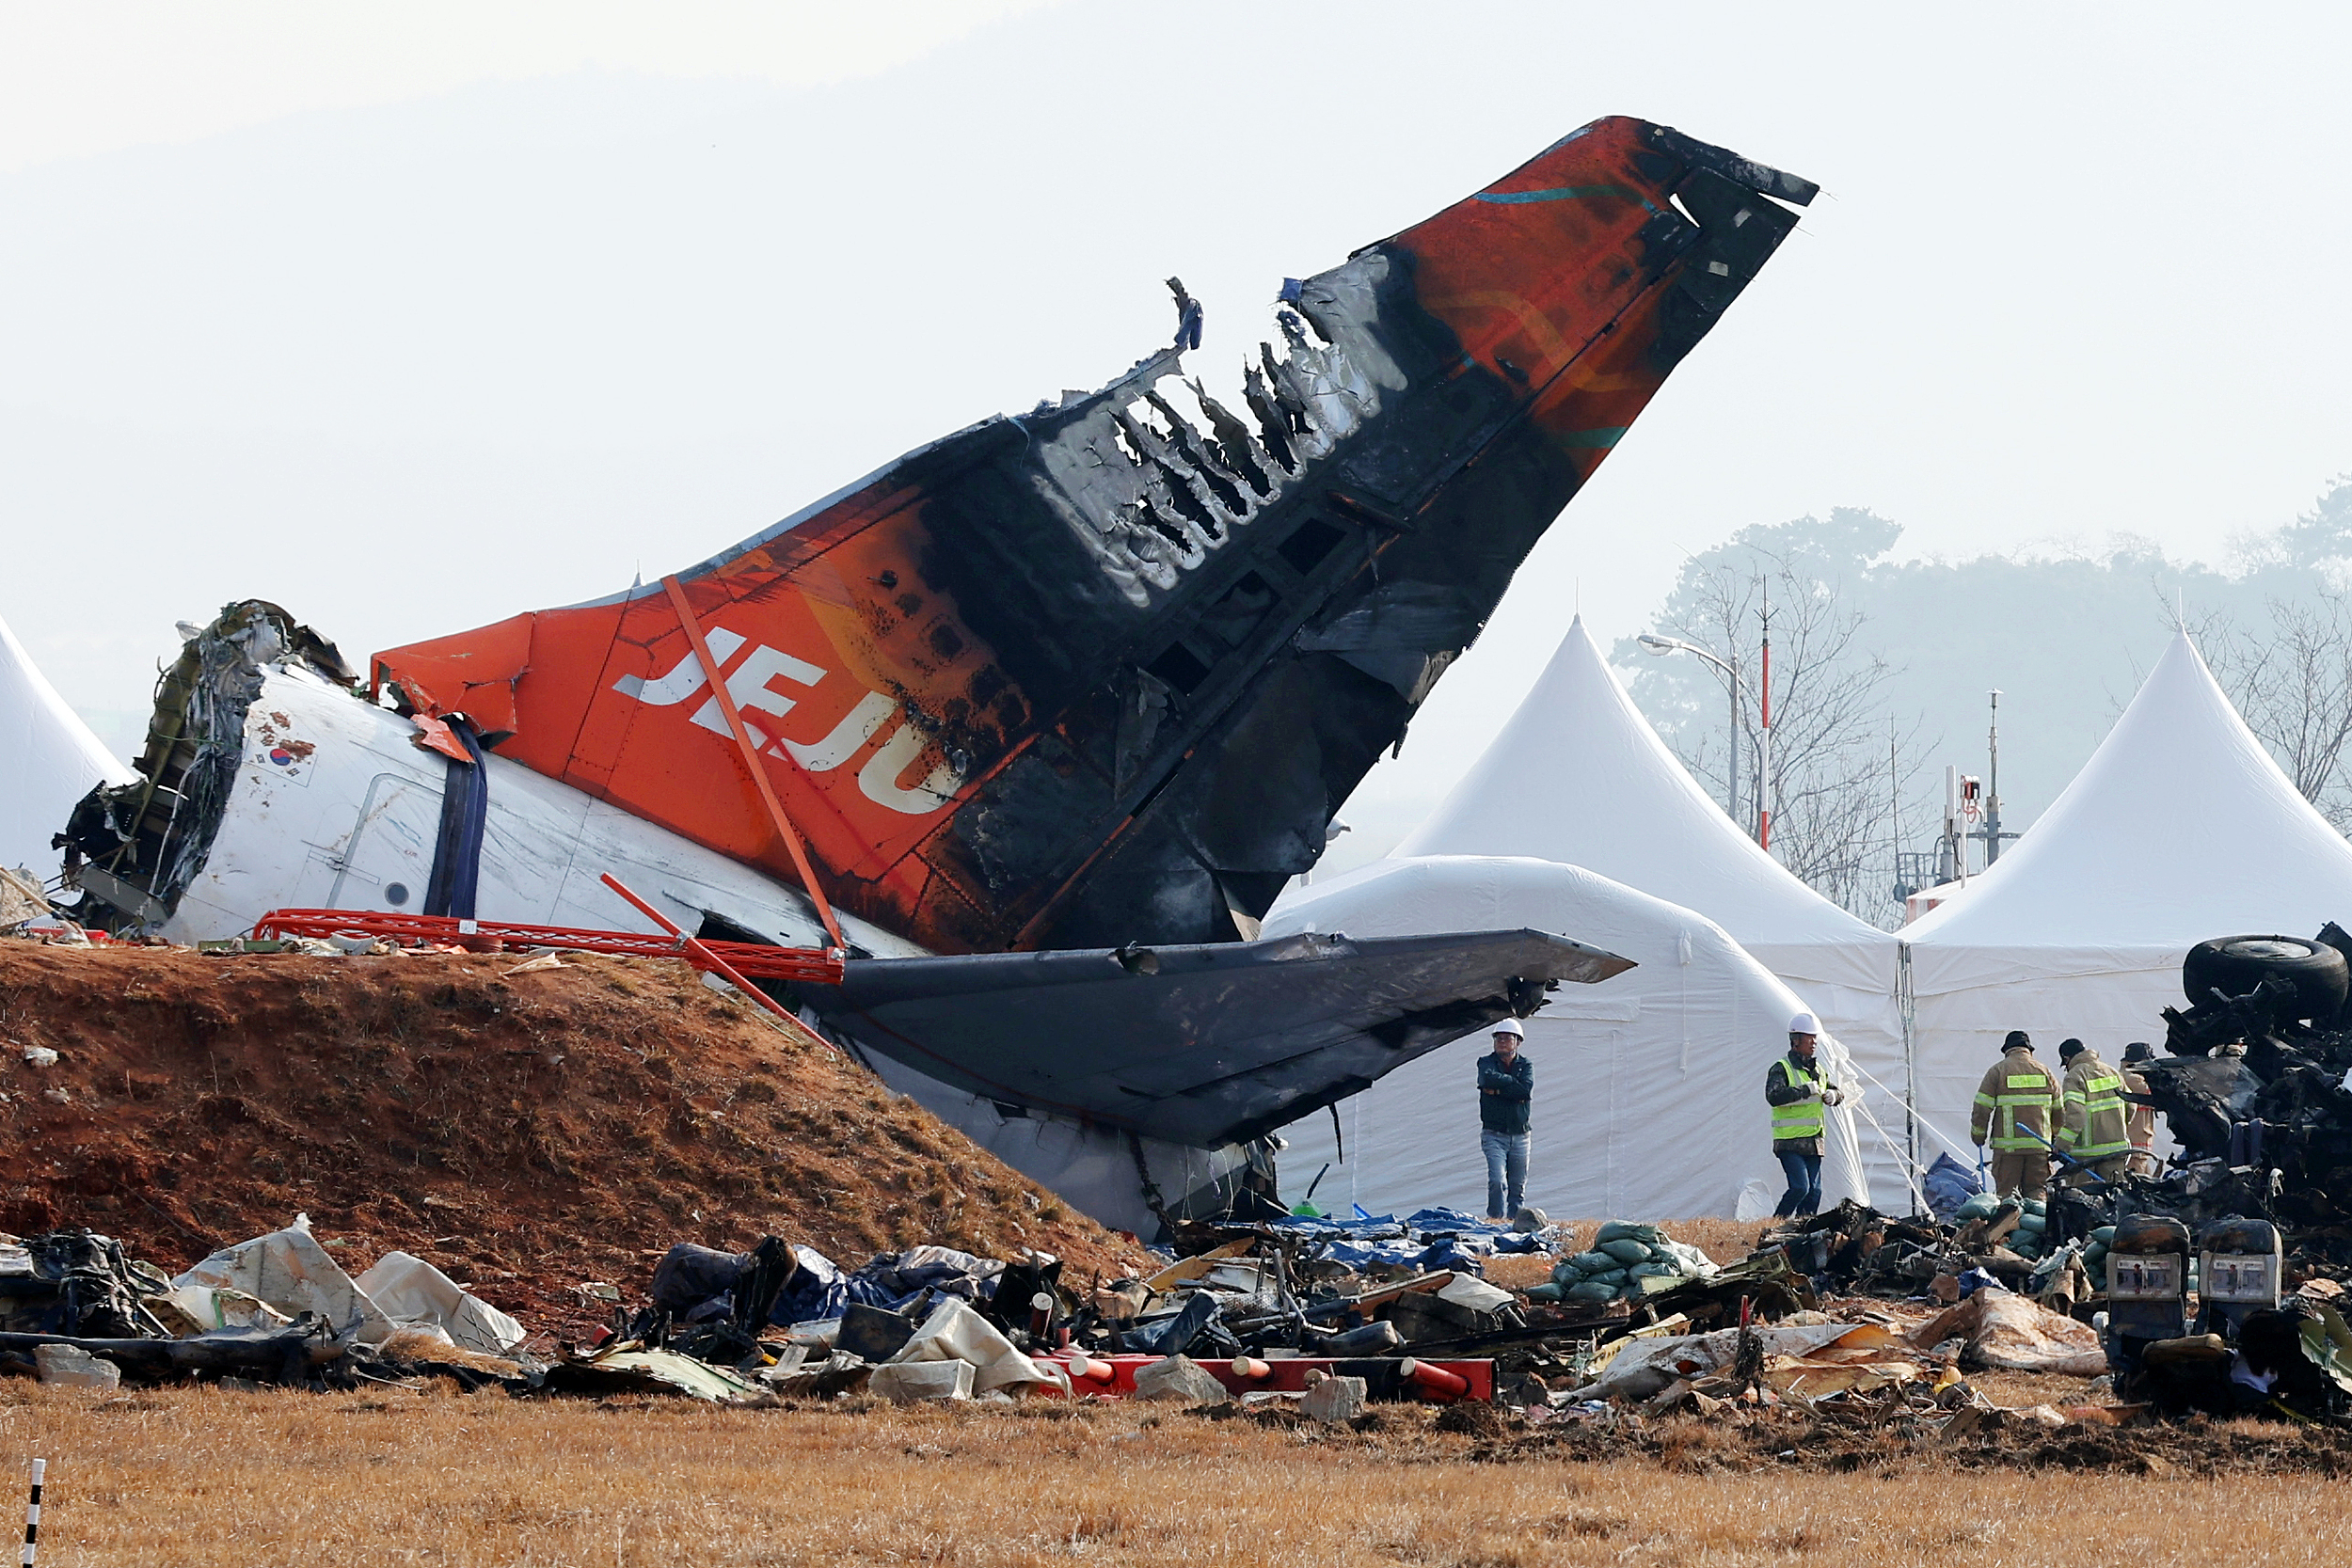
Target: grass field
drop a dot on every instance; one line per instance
(186, 1477)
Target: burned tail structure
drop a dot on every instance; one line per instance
(1102, 672)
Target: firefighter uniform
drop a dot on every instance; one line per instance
(2139, 1121)
(2016, 1109)
(2093, 1128)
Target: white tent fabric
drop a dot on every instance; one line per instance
(1578, 776)
(1650, 1086)
(48, 760)
(2179, 828)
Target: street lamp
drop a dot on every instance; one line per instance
(1651, 643)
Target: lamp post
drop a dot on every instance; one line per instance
(1652, 644)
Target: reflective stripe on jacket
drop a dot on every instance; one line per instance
(1799, 1117)
(2017, 1100)
(2139, 1121)
(2095, 1122)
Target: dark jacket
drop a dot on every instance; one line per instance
(1503, 1092)
(1780, 1090)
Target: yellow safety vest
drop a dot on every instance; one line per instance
(1799, 1118)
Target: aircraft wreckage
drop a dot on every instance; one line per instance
(1036, 721)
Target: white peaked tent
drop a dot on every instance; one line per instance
(2179, 828)
(1578, 776)
(48, 760)
(1650, 1086)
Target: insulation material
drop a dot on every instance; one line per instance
(1668, 1056)
(1807, 1359)
(2016, 1334)
(954, 1332)
(288, 1271)
(415, 1295)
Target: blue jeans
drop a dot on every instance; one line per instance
(1506, 1161)
(1803, 1196)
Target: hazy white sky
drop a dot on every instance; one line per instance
(413, 317)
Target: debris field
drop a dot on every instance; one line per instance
(527, 1133)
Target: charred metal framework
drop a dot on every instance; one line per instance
(135, 846)
(1101, 673)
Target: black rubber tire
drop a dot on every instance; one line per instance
(2235, 965)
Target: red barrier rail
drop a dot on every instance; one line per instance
(753, 960)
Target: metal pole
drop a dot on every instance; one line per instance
(32, 1512)
(1992, 788)
(1764, 744)
(1731, 688)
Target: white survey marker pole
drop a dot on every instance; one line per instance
(32, 1512)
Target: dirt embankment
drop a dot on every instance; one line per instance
(525, 1133)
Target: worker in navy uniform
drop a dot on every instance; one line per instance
(1797, 1092)
(1506, 1085)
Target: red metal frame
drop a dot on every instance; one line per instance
(752, 961)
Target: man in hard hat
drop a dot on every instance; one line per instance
(1796, 1091)
(1506, 1085)
(2015, 1116)
(2139, 1121)
(2093, 1127)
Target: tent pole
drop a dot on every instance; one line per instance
(1907, 1005)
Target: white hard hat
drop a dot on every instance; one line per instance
(1510, 1026)
(1805, 1024)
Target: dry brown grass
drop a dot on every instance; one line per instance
(190, 1477)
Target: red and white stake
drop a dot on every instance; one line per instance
(32, 1512)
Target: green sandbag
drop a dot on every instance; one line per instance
(2032, 1224)
(1618, 1230)
(1565, 1273)
(1626, 1251)
(1613, 1277)
(2036, 1207)
(1543, 1292)
(2104, 1235)
(1593, 1262)
(1655, 1271)
(1592, 1290)
(1978, 1206)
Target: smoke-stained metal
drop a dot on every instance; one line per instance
(1102, 672)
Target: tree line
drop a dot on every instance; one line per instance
(1880, 669)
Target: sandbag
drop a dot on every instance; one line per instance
(1618, 1230)
(1593, 1262)
(1626, 1251)
(1590, 1290)
(1693, 1262)
(1655, 1271)
(1543, 1292)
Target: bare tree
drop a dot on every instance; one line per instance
(2292, 682)
(1832, 789)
